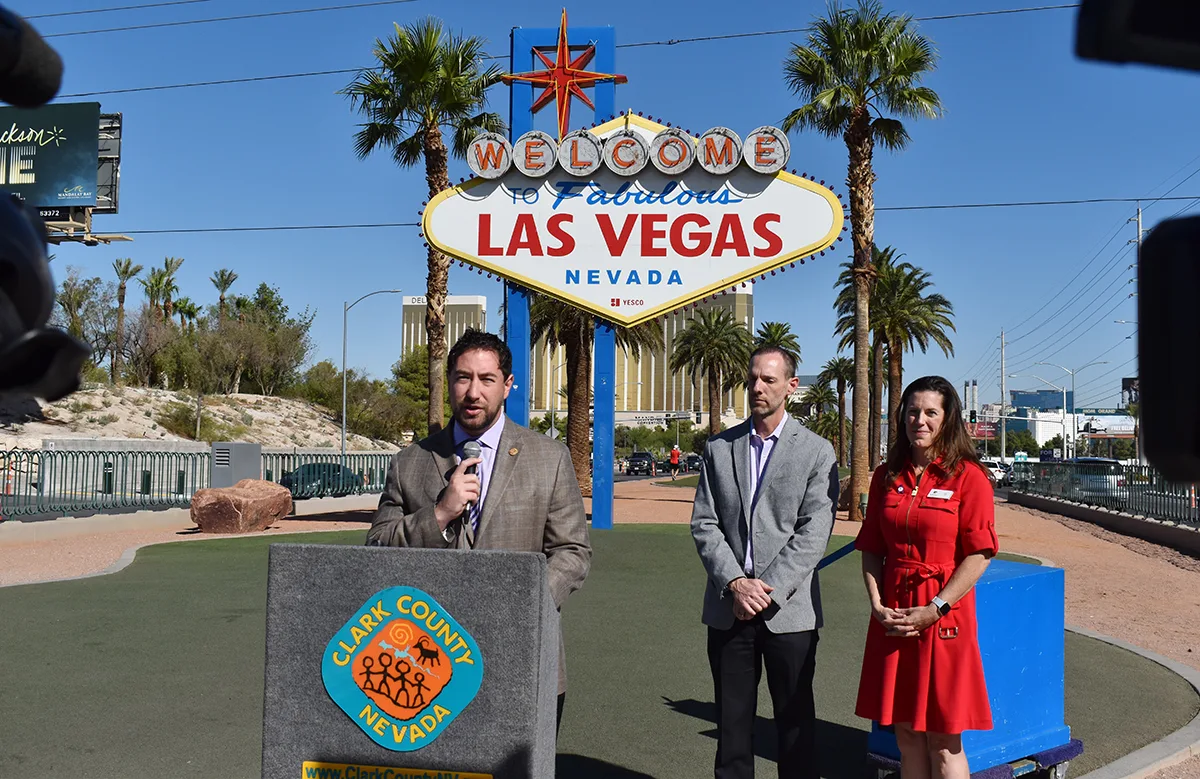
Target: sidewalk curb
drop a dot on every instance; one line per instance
(1166, 752)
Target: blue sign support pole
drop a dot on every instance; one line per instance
(522, 43)
(604, 361)
(516, 298)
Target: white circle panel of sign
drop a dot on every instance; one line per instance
(580, 153)
(766, 149)
(719, 151)
(534, 153)
(672, 151)
(489, 155)
(626, 153)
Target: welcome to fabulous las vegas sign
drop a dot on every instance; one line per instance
(633, 219)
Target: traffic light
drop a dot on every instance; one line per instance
(973, 417)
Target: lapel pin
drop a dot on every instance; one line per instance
(900, 490)
(513, 451)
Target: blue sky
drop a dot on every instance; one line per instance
(1025, 120)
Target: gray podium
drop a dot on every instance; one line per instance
(430, 660)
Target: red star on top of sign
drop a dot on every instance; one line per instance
(564, 78)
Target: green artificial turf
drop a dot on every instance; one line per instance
(157, 670)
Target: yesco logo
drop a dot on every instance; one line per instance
(402, 668)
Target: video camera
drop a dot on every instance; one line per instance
(34, 359)
(1167, 33)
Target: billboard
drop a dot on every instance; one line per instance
(49, 155)
(633, 219)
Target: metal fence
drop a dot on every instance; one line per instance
(41, 481)
(1132, 489)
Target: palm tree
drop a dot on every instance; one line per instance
(859, 65)
(825, 425)
(718, 346)
(908, 319)
(73, 296)
(779, 335)
(563, 324)
(427, 80)
(818, 396)
(839, 370)
(126, 271)
(171, 266)
(187, 311)
(222, 280)
(153, 284)
(846, 303)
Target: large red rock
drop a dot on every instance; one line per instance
(249, 506)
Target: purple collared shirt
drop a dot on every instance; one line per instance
(489, 442)
(760, 455)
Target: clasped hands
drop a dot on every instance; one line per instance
(750, 597)
(907, 622)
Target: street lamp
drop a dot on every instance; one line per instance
(346, 310)
(1064, 408)
(1074, 399)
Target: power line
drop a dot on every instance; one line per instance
(794, 30)
(986, 351)
(213, 20)
(1118, 260)
(310, 74)
(1069, 283)
(270, 228)
(248, 80)
(116, 8)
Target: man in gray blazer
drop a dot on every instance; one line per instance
(763, 515)
(522, 495)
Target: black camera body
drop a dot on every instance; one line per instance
(1166, 33)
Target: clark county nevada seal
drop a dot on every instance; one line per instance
(402, 668)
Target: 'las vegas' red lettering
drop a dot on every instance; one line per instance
(651, 233)
(680, 242)
(616, 243)
(774, 242)
(730, 236)
(486, 249)
(525, 236)
(566, 241)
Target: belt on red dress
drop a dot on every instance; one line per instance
(915, 572)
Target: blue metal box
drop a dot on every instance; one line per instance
(1020, 611)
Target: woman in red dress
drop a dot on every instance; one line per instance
(928, 535)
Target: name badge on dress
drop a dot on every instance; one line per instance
(941, 494)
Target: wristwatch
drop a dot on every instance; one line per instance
(942, 606)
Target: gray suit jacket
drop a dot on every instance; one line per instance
(792, 521)
(533, 504)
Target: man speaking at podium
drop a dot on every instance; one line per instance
(520, 494)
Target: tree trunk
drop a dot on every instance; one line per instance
(120, 339)
(860, 181)
(895, 389)
(579, 372)
(841, 390)
(876, 397)
(437, 178)
(714, 403)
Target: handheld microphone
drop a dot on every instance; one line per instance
(471, 450)
(30, 71)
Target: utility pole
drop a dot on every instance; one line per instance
(1137, 263)
(1003, 402)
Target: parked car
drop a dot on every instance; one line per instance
(997, 470)
(693, 463)
(1097, 477)
(318, 480)
(640, 464)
